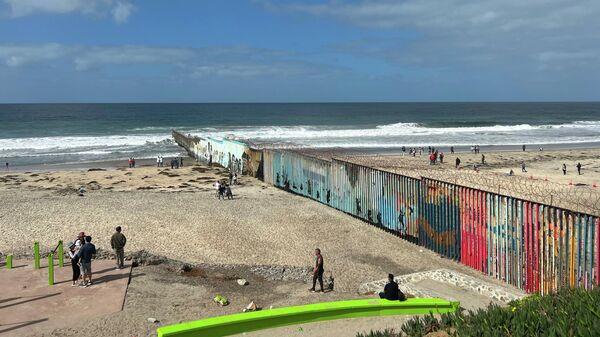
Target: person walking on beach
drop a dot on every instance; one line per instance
(457, 162)
(318, 271)
(117, 243)
(483, 158)
(578, 168)
(7, 167)
(181, 161)
(441, 157)
(391, 291)
(87, 251)
(523, 167)
(523, 148)
(74, 263)
(451, 149)
(564, 169)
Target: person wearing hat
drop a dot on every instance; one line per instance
(391, 291)
(74, 263)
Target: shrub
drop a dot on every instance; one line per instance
(384, 333)
(570, 312)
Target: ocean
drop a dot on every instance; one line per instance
(34, 134)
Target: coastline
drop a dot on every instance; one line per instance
(341, 151)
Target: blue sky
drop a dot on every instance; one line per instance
(281, 51)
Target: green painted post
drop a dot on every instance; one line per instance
(51, 269)
(36, 255)
(9, 261)
(61, 254)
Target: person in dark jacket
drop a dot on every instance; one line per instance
(391, 291)
(85, 254)
(117, 242)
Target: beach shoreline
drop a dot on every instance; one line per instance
(341, 151)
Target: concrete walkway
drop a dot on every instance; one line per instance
(29, 305)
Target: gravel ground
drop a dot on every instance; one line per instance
(262, 229)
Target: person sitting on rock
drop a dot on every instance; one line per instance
(391, 291)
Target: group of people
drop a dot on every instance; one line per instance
(475, 149)
(131, 162)
(564, 169)
(435, 156)
(223, 190)
(391, 291)
(177, 163)
(82, 250)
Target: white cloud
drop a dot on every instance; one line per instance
(92, 57)
(449, 33)
(20, 55)
(235, 61)
(453, 14)
(120, 10)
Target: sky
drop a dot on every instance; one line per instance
(298, 51)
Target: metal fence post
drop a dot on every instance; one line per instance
(36, 255)
(51, 269)
(61, 254)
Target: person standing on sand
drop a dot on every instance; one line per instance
(158, 161)
(85, 254)
(483, 158)
(318, 271)
(457, 162)
(74, 263)
(523, 148)
(7, 167)
(578, 168)
(181, 161)
(117, 243)
(451, 149)
(523, 167)
(564, 169)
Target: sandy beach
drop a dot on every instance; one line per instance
(174, 213)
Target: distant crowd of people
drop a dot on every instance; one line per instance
(82, 250)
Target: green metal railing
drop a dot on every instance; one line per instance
(309, 313)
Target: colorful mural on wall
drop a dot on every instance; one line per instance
(535, 247)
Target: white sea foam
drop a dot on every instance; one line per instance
(45, 143)
(376, 136)
(579, 131)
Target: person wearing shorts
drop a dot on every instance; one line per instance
(86, 253)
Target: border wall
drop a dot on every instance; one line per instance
(532, 246)
(237, 156)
